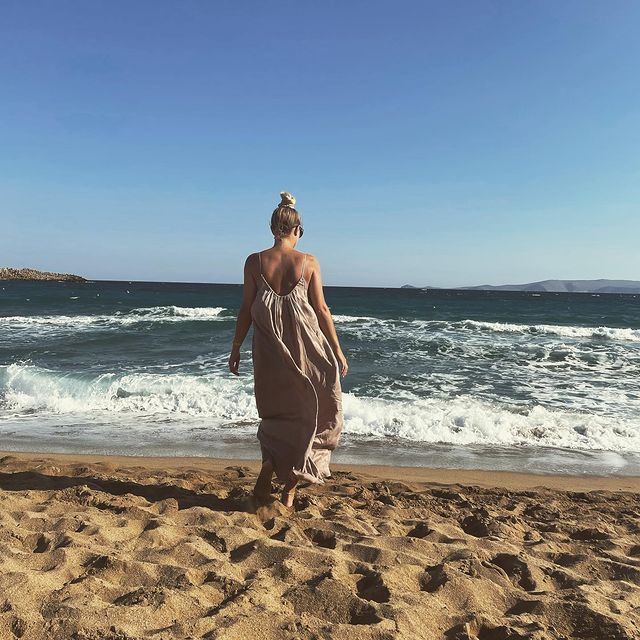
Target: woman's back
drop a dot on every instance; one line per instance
(282, 270)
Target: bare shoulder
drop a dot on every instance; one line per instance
(312, 270)
(252, 259)
(312, 261)
(251, 264)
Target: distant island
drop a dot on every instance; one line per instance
(557, 286)
(8, 273)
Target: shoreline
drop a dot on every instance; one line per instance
(229, 445)
(512, 480)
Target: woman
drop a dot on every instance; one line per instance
(297, 359)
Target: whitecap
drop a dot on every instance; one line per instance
(25, 389)
(145, 314)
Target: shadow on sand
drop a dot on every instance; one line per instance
(238, 499)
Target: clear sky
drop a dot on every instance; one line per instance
(440, 143)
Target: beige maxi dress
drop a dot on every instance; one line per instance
(297, 383)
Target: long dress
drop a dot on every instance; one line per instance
(296, 382)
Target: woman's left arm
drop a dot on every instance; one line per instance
(243, 322)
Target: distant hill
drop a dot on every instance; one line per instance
(558, 286)
(8, 273)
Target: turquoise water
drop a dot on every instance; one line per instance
(498, 380)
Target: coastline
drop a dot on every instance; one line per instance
(228, 444)
(421, 475)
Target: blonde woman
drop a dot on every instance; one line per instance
(297, 359)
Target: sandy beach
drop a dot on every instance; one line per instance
(122, 548)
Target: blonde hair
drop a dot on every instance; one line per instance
(284, 217)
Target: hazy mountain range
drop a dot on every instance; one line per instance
(564, 286)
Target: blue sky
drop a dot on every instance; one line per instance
(441, 143)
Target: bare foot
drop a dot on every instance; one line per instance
(289, 491)
(263, 483)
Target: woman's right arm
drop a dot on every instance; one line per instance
(316, 298)
(243, 322)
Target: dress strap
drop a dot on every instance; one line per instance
(304, 262)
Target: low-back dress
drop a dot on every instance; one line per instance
(296, 382)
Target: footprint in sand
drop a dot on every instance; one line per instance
(516, 569)
(322, 537)
(421, 530)
(42, 544)
(214, 540)
(330, 600)
(243, 551)
(372, 587)
(476, 525)
(18, 627)
(433, 578)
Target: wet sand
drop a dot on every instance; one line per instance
(98, 547)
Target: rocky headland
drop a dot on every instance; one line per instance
(9, 273)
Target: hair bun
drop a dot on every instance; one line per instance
(286, 199)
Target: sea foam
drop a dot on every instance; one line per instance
(26, 389)
(119, 318)
(360, 323)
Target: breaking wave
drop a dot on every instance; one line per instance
(120, 318)
(26, 389)
(565, 331)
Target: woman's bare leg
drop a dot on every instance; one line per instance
(289, 491)
(263, 483)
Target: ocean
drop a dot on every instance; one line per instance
(538, 382)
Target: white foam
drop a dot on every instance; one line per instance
(119, 318)
(466, 420)
(343, 318)
(191, 313)
(416, 327)
(610, 333)
(28, 389)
